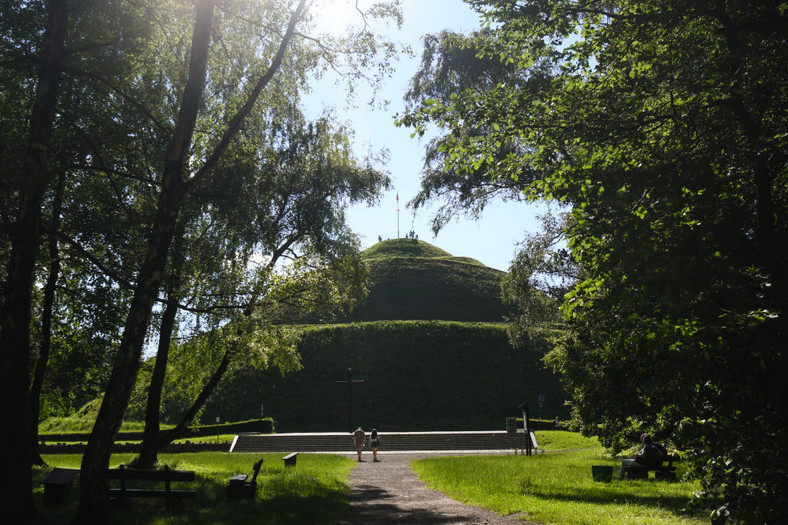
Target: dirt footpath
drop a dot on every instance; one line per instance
(390, 492)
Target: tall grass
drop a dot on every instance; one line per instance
(559, 488)
(314, 491)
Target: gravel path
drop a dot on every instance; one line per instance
(390, 492)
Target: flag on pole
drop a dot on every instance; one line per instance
(397, 201)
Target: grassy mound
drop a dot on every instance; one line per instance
(405, 248)
(420, 375)
(416, 280)
(429, 344)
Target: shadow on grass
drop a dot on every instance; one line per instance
(316, 502)
(611, 495)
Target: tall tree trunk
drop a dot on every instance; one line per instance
(769, 162)
(46, 320)
(180, 429)
(16, 497)
(94, 499)
(149, 451)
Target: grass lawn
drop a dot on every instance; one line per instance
(314, 491)
(546, 488)
(559, 488)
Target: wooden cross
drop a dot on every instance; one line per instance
(350, 382)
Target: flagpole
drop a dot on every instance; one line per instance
(397, 215)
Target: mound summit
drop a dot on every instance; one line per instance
(414, 280)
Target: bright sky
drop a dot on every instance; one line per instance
(492, 239)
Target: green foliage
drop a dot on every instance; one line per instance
(89, 302)
(123, 81)
(539, 277)
(262, 426)
(255, 343)
(660, 125)
(452, 65)
(80, 421)
(151, 103)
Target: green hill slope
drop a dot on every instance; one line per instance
(420, 375)
(416, 280)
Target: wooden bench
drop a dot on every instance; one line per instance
(167, 476)
(290, 459)
(661, 471)
(240, 487)
(57, 486)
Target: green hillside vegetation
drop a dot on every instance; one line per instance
(420, 375)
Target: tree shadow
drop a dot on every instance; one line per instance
(324, 504)
(372, 504)
(609, 496)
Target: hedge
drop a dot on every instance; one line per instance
(260, 426)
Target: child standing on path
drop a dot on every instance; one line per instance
(374, 442)
(359, 436)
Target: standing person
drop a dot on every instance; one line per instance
(374, 442)
(651, 455)
(359, 436)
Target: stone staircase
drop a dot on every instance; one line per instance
(389, 441)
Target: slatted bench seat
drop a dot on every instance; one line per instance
(290, 459)
(239, 485)
(665, 472)
(167, 476)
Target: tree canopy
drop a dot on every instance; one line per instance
(126, 126)
(661, 126)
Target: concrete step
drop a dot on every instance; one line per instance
(390, 441)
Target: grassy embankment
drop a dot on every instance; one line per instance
(83, 424)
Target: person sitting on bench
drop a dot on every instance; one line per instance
(651, 455)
